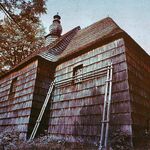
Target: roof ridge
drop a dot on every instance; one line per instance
(100, 21)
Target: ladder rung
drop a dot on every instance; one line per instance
(108, 80)
(105, 121)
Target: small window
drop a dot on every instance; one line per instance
(77, 74)
(12, 89)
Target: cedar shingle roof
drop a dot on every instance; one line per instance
(91, 35)
(83, 38)
(76, 40)
(53, 52)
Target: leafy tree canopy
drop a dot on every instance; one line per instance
(21, 32)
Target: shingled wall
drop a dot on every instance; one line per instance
(15, 105)
(139, 86)
(76, 109)
(45, 75)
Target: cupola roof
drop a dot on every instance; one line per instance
(55, 28)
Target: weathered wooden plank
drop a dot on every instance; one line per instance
(15, 111)
(139, 83)
(76, 109)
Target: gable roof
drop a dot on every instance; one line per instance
(76, 41)
(83, 38)
(96, 34)
(91, 35)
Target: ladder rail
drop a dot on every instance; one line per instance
(104, 109)
(108, 108)
(42, 111)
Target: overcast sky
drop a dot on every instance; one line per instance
(133, 16)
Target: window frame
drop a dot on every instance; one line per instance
(77, 76)
(12, 90)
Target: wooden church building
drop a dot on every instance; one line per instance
(75, 60)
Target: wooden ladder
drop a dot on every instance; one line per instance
(106, 109)
(42, 111)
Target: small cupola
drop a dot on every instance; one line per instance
(55, 30)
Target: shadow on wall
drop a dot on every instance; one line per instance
(87, 126)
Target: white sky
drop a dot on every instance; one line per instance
(133, 16)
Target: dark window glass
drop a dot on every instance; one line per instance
(77, 74)
(13, 89)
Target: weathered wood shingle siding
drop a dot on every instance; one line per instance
(45, 75)
(139, 85)
(15, 113)
(77, 108)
